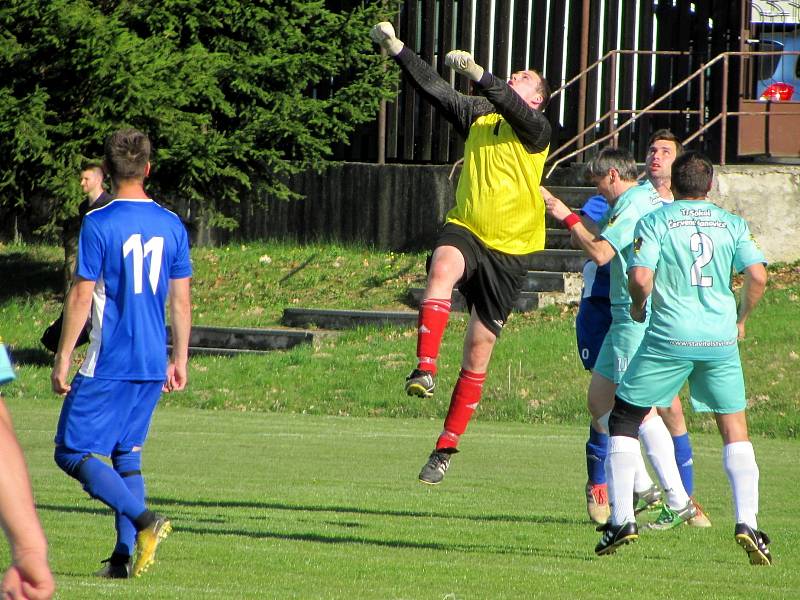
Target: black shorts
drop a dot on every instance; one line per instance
(492, 280)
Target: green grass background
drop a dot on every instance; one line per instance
(286, 478)
(304, 506)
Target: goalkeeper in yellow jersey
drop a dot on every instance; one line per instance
(498, 220)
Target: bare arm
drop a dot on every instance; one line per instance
(76, 311)
(640, 286)
(581, 236)
(29, 575)
(755, 281)
(180, 317)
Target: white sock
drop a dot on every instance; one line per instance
(661, 452)
(740, 465)
(620, 470)
(642, 480)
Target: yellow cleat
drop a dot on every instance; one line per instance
(147, 541)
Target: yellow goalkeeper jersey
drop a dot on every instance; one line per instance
(498, 197)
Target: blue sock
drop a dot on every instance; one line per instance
(596, 450)
(129, 466)
(100, 481)
(683, 456)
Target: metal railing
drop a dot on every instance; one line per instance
(610, 116)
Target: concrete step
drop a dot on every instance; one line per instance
(197, 351)
(569, 261)
(527, 301)
(557, 239)
(248, 339)
(553, 281)
(346, 319)
(572, 195)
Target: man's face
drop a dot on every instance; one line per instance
(526, 84)
(604, 185)
(90, 179)
(660, 157)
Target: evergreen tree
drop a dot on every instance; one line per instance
(234, 94)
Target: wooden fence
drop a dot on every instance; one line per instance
(559, 38)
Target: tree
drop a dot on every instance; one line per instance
(235, 95)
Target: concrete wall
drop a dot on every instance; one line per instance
(768, 197)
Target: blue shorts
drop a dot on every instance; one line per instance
(103, 415)
(591, 326)
(653, 379)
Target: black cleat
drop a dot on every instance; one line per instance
(615, 536)
(438, 462)
(116, 567)
(420, 383)
(754, 543)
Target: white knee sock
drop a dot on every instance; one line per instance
(620, 470)
(642, 480)
(740, 465)
(661, 452)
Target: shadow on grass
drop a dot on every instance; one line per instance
(24, 276)
(34, 357)
(563, 552)
(532, 519)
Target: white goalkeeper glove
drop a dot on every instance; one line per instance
(383, 35)
(463, 63)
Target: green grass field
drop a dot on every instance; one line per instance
(303, 506)
(286, 478)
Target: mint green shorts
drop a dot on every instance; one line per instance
(619, 346)
(654, 379)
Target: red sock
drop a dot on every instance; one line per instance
(466, 396)
(433, 315)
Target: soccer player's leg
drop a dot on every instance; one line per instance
(491, 286)
(591, 326)
(89, 425)
(653, 380)
(156, 528)
(718, 386)
(478, 346)
(445, 268)
(621, 464)
(676, 424)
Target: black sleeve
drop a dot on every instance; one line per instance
(530, 125)
(459, 109)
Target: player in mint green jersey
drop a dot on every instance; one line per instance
(683, 257)
(614, 173)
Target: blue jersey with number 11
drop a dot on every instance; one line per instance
(130, 249)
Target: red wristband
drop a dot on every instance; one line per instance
(571, 220)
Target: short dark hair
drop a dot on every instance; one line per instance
(692, 174)
(93, 165)
(127, 154)
(613, 158)
(544, 90)
(666, 134)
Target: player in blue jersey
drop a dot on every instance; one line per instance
(683, 257)
(133, 257)
(591, 325)
(614, 173)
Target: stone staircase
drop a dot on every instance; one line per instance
(554, 277)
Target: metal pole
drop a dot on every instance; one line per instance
(612, 98)
(382, 133)
(724, 124)
(584, 63)
(702, 102)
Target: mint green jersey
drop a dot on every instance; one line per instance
(617, 228)
(693, 246)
